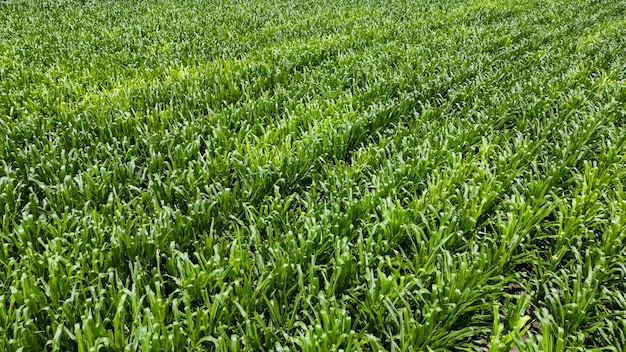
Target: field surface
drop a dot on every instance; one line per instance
(317, 175)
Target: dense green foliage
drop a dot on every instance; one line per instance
(312, 175)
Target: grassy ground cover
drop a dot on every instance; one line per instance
(312, 175)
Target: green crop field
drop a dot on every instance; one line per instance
(320, 175)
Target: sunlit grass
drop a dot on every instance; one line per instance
(313, 176)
